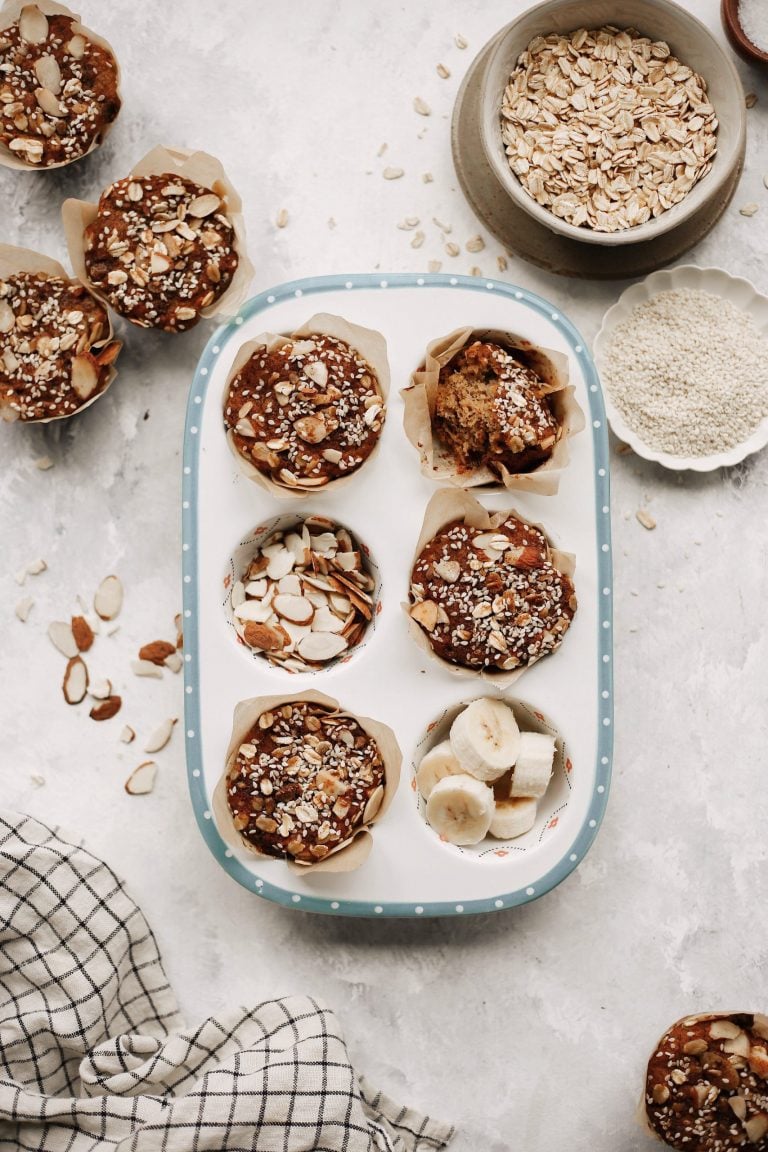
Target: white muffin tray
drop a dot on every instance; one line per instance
(410, 871)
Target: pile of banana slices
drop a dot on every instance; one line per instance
(487, 777)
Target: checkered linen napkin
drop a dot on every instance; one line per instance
(93, 1054)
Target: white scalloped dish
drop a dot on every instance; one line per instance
(738, 292)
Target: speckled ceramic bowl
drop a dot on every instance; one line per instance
(688, 38)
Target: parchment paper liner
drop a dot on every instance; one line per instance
(641, 1115)
(761, 1028)
(455, 504)
(13, 260)
(438, 463)
(241, 557)
(529, 719)
(348, 856)
(370, 344)
(9, 14)
(199, 167)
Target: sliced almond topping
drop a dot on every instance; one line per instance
(127, 735)
(204, 205)
(738, 1106)
(33, 25)
(82, 632)
(756, 1127)
(448, 570)
(660, 1094)
(724, 1030)
(135, 191)
(106, 709)
(425, 614)
(160, 736)
(317, 372)
(142, 780)
(758, 1062)
(146, 668)
(75, 684)
(738, 1046)
(109, 598)
(61, 636)
(312, 429)
(48, 73)
(373, 805)
(695, 1047)
(49, 103)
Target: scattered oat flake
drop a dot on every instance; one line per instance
(645, 519)
(23, 608)
(43, 463)
(427, 177)
(21, 576)
(417, 240)
(382, 150)
(408, 224)
(459, 41)
(442, 71)
(501, 263)
(36, 567)
(750, 99)
(435, 265)
(142, 780)
(393, 173)
(452, 249)
(475, 271)
(475, 244)
(282, 218)
(331, 223)
(37, 779)
(749, 209)
(447, 228)
(421, 107)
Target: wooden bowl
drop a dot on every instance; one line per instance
(729, 14)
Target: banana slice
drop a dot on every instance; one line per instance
(438, 763)
(513, 817)
(485, 738)
(533, 767)
(460, 809)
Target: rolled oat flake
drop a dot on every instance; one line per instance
(688, 372)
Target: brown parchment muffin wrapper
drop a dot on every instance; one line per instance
(369, 343)
(353, 852)
(438, 463)
(451, 504)
(199, 167)
(14, 260)
(9, 14)
(641, 1115)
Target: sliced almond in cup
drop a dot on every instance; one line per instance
(263, 637)
(297, 609)
(142, 780)
(318, 647)
(75, 684)
(109, 598)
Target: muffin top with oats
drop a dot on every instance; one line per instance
(160, 250)
(58, 89)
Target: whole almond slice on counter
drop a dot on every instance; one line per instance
(174, 662)
(160, 736)
(35, 567)
(100, 689)
(109, 598)
(156, 651)
(146, 668)
(75, 684)
(127, 735)
(82, 632)
(61, 636)
(106, 709)
(142, 780)
(23, 608)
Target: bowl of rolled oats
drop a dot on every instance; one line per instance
(615, 131)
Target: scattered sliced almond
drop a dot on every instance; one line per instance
(75, 683)
(109, 598)
(23, 608)
(645, 519)
(146, 668)
(43, 463)
(421, 107)
(82, 632)
(174, 662)
(106, 709)
(100, 689)
(282, 218)
(142, 780)
(160, 736)
(61, 636)
(393, 173)
(157, 651)
(127, 735)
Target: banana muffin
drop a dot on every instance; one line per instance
(491, 599)
(304, 780)
(160, 250)
(305, 412)
(58, 89)
(55, 350)
(491, 411)
(707, 1084)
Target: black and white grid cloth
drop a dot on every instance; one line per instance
(93, 1054)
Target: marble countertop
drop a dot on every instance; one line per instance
(527, 1028)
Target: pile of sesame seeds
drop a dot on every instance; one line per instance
(688, 372)
(491, 599)
(304, 780)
